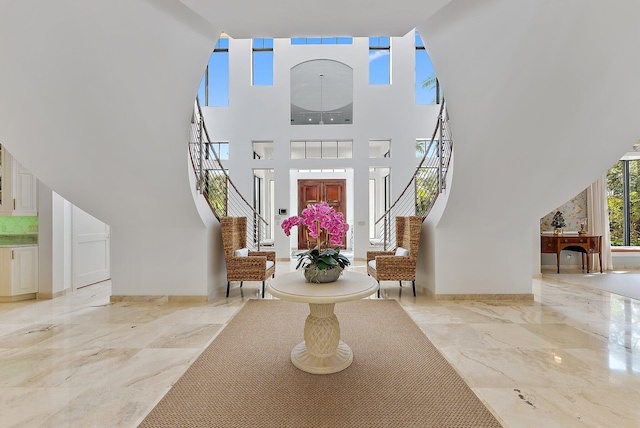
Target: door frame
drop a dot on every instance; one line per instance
(80, 279)
(342, 182)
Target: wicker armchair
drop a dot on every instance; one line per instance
(252, 266)
(387, 266)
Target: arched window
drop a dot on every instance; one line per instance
(321, 93)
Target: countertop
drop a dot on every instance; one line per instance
(18, 240)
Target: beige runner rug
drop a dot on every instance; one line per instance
(246, 379)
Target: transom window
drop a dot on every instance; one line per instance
(262, 149)
(220, 147)
(422, 145)
(321, 149)
(321, 40)
(379, 149)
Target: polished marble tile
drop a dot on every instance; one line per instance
(563, 407)
(565, 336)
(516, 367)
(569, 358)
(510, 336)
(103, 407)
(186, 336)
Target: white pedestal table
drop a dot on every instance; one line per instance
(322, 351)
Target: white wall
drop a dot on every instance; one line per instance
(45, 239)
(531, 125)
(55, 239)
(380, 112)
(96, 102)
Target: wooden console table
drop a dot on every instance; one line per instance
(585, 244)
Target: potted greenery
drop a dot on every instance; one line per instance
(558, 223)
(322, 263)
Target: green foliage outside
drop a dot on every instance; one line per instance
(430, 83)
(615, 199)
(216, 190)
(426, 190)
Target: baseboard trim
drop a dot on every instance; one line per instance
(159, 299)
(188, 299)
(18, 298)
(49, 296)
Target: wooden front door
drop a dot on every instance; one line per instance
(316, 191)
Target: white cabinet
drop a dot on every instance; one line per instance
(18, 273)
(24, 191)
(18, 188)
(6, 203)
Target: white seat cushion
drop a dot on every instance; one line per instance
(269, 264)
(402, 251)
(242, 252)
(372, 263)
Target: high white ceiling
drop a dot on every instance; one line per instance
(251, 18)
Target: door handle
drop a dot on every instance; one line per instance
(107, 236)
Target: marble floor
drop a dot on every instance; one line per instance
(570, 358)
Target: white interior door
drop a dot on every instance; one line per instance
(91, 249)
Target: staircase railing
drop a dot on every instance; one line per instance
(427, 182)
(214, 183)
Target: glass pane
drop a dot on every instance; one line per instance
(314, 150)
(378, 201)
(379, 67)
(223, 43)
(345, 149)
(379, 148)
(329, 40)
(219, 79)
(263, 149)
(223, 151)
(419, 42)
(267, 43)
(298, 41)
(425, 79)
(426, 189)
(263, 68)
(329, 149)
(314, 40)
(345, 40)
(297, 150)
(420, 148)
(615, 198)
(634, 201)
(321, 92)
(372, 208)
(201, 92)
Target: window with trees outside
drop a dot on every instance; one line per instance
(221, 148)
(428, 89)
(623, 198)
